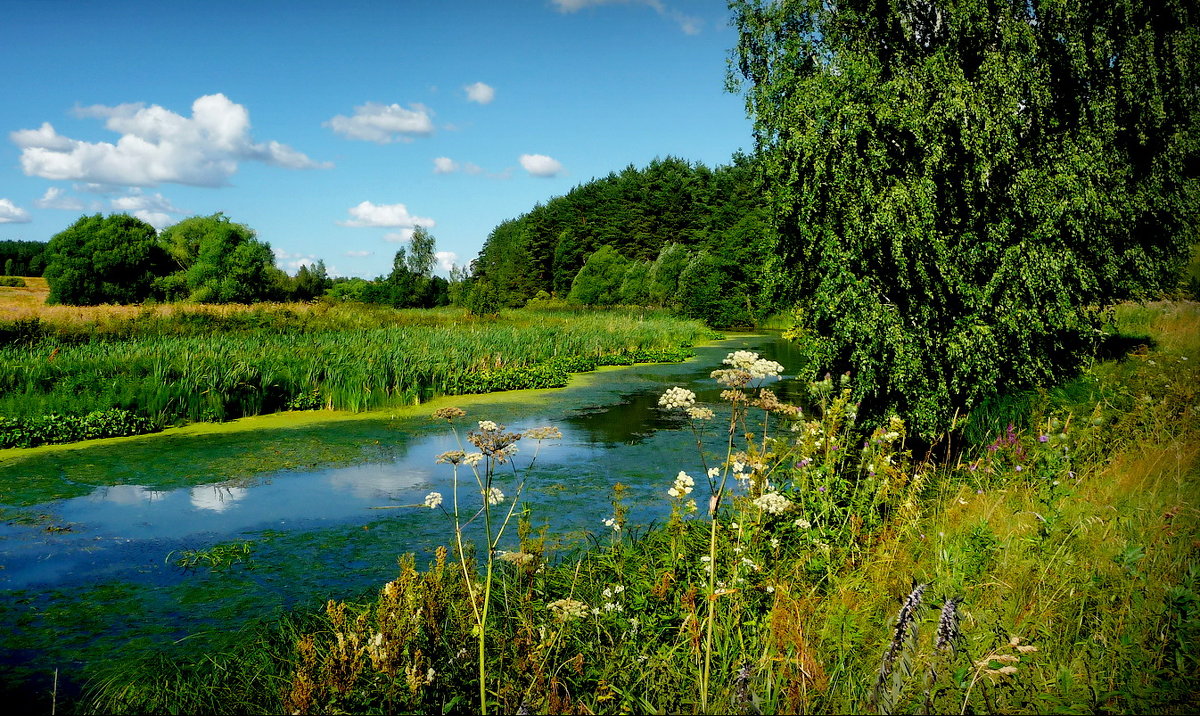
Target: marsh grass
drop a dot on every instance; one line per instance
(1053, 569)
(177, 364)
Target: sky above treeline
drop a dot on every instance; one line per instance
(333, 129)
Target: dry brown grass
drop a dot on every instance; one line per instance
(28, 302)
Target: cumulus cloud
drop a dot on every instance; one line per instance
(155, 210)
(10, 213)
(385, 215)
(446, 259)
(156, 146)
(479, 92)
(56, 198)
(541, 165)
(384, 123)
(689, 24)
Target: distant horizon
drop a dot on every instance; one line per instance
(333, 132)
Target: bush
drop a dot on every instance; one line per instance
(53, 428)
(12, 281)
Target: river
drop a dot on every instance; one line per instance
(94, 572)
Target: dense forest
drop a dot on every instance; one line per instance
(22, 258)
(674, 233)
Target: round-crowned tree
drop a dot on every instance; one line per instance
(104, 259)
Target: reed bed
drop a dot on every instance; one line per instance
(217, 363)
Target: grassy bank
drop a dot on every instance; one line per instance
(165, 366)
(1052, 570)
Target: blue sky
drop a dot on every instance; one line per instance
(334, 128)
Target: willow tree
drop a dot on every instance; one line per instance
(961, 186)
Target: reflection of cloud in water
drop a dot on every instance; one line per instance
(217, 498)
(375, 481)
(126, 494)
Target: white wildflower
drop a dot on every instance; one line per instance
(773, 503)
(714, 472)
(683, 485)
(677, 397)
(494, 496)
(433, 500)
(700, 413)
(473, 458)
(488, 426)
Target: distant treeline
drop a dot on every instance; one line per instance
(22, 258)
(121, 259)
(675, 234)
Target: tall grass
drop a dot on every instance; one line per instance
(200, 365)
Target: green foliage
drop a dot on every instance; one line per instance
(46, 429)
(665, 272)
(599, 282)
(708, 292)
(100, 259)
(13, 281)
(958, 188)
(219, 261)
(637, 212)
(23, 258)
(212, 365)
(635, 285)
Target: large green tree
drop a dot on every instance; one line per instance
(959, 186)
(218, 261)
(103, 259)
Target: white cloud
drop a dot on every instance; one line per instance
(541, 165)
(689, 24)
(10, 213)
(446, 165)
(385, 215)
(481, 93)
(446, 259)
(398, 237)
(384, 123)
(156, 146)
(155, 210)
(56, 198)
(358, 254)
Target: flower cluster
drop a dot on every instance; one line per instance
(677, 397)
(433, 500)
(757, 368)
(494, 496)
(683, 485)
(567, 609)
(449, 413)
(696, 413)
(493, 442)
(451, 456)
(546, 433)
(773, 503)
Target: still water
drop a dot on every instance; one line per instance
(96, 572)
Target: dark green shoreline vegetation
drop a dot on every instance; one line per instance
(1052, 570)
(126, 376)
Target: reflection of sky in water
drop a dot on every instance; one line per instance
(613, 431)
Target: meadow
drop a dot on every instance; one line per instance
(804, 567)
(69, 373)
